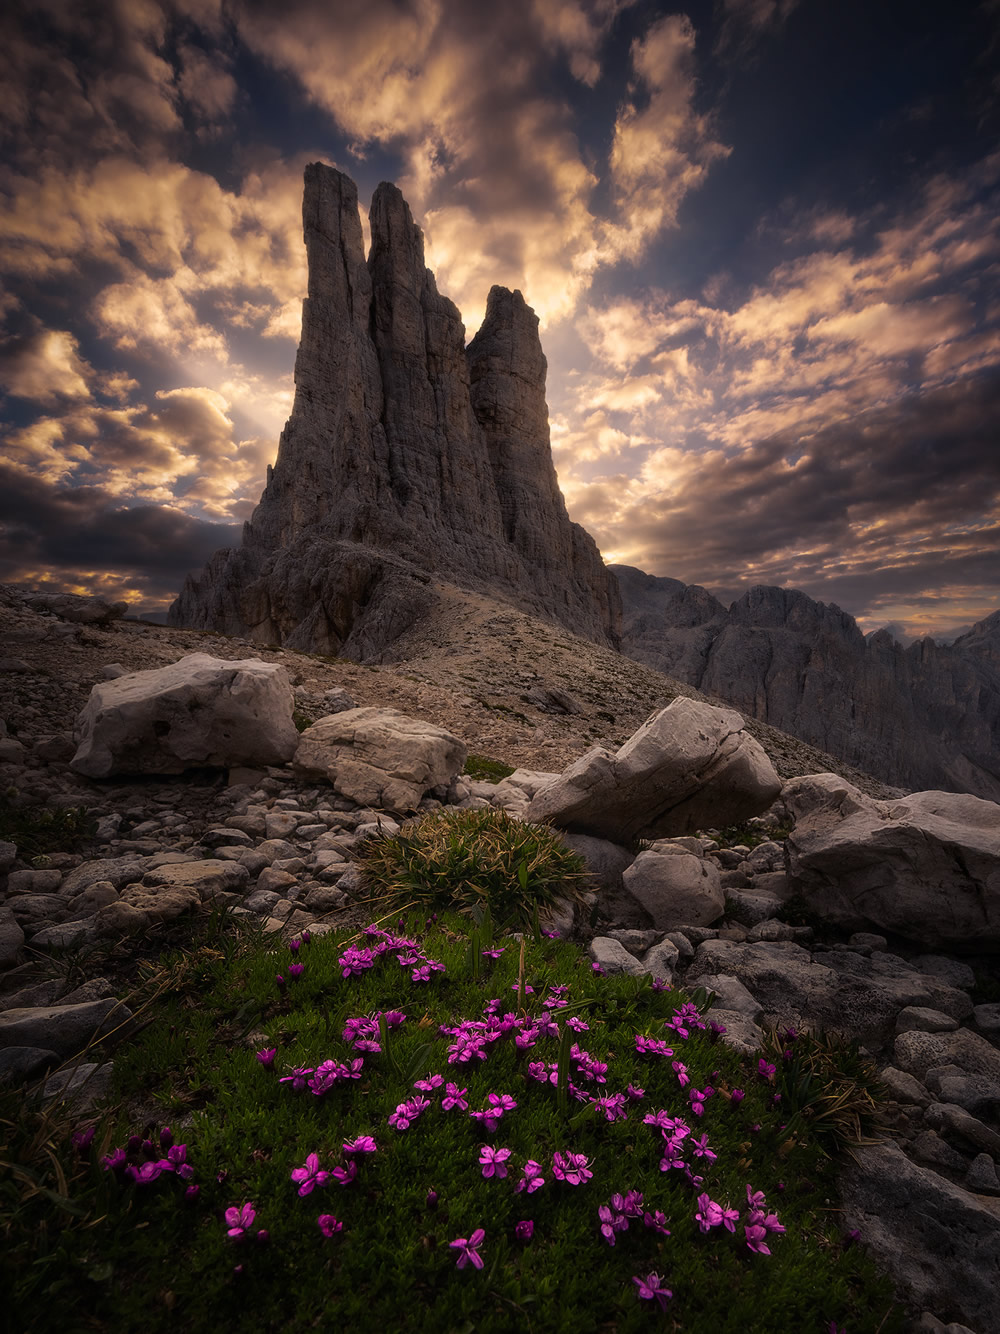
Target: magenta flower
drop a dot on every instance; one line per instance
(700, 1149)
(454, 1097)
(393, 1018)
(611, 1222)
(737, 1096)
(279, 981)
(757, 1238)
(294, 946)
(765, 1069)
(571, 1168)
(709, 1214)
(532, 1179)
(429, 1083)
(635, 1093)
(657, 1221)
(468, 1249)
(363, 1144)
(311, 1175)
(493, 1161)
(524, 1230)
(115, 1161)
(82, 1140)
(493, 954)
(192, 1193)
(660, 985)
(652, 1046)
(298, 1078)
(266, 1057)
(345, 1175)
(651, 1290)
(596, 968)
(755, 1198)
(295, 971)
(148, 1172)
(328, 1225)
(577, 1024)
(240, 1220)
(698, 1098)
(680, 1069)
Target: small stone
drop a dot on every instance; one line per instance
(987, 1019)
(19, 1064)
(271, 879)
(84, 1086)
(613, 957)
(982, 1176)
(65, 934)
(920, 1019)
(904, 1088)
(866, 941)
(261, 901)
(952, 971)
(11, 938)
(930, 1148)
(324, 899)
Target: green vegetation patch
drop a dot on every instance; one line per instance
(39, 830)
(485, 770)
(428, 1130)
(471, 860)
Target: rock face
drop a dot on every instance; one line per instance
(406, 455)
(689, 767)
(198, 711)
(926, 866)
(923, 717)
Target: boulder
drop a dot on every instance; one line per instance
(196, 712)
(926, 866)
(11, 938)
(795, 989)
(612, 956)
(379, 757)
(690, 766)
(939, 1242)
(675, 887)
(64, 1029)
(194, 881)
(77, 607)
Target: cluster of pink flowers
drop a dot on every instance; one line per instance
(758, 1224)
(143, 1162)
(356, 960)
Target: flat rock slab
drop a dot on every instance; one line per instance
(938, 1241)
(794, 989)
(64, 1029)
(916, 1053)
(207, 878)
(199, 711)
(926, 866)
(691, 766)
(380, 757)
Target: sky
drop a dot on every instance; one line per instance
(762, 237)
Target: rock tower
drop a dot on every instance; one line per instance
(408, 458)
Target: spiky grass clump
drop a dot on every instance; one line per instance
(39, 830)
(147, 1257)
(829, 1089)
(467, 861)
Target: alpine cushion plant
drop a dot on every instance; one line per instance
(597, 1203)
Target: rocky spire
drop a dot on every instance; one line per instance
(405, 455)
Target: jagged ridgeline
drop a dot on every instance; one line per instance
(408, 458)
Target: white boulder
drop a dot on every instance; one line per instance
(199, 711)
(675, 887)
(926, 866)
(688, 767)
(380, 757)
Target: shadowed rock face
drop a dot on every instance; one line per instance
(406, 456)
(923, 717)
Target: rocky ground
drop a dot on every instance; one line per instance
(76, 922)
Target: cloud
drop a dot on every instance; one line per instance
(83, 537)
(44, 366)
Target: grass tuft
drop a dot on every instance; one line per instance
(485, 770)
(470, 860)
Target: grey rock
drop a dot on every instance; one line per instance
(19, 1064)
(683, 944)
(406, 455)
(919, 1052)
(904, 1088)
(688, 765)
(79, 608)
(675, 887)
(926, 866)
(56, 749)
(8, 855)
(224, 837)
(380, 757)
(742, 1034)
(118, 871)
(930, 1148)
(38, 993)
(34, 882)
(771, 929)
(974, 1093)
(197, 711)
(918, 1019)
(208, 877)
(324, 899)
(732, 995)
(867, 941)
(930, 1324)
(12, 751)
(982, 1176)
(987, 1019)
(795, 989)
(83, 1085)
(613, 957)
(11, 938)
(660, 959)
(64, 935)
(952, 971)
(262, 901)
(955, 1122)
(64, 1029)
(27, 909)
(272, 880)
(637, 942)
(937, 1240)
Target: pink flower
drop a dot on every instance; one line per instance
(757, 1238)
(468, 1249)
(363, 1144)
(266, 1057)
(650, 1290)
(454, 1097)
(571, 1168)
(532, 1178)
(240, 1220)
(493, 1161)
(709, 1213)
(311, 1175)
(328, 1225)
(524, 1230)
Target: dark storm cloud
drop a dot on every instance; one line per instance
(75, 531)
